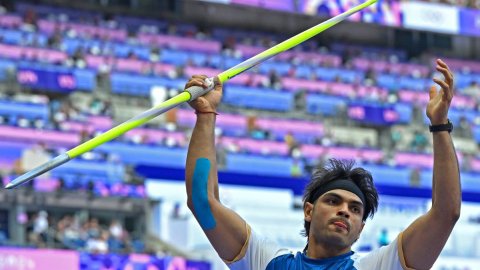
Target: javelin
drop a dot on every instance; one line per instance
(186, 96)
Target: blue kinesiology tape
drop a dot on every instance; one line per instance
(200, 194)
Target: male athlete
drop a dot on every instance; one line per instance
(337, 203)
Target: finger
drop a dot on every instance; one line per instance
(196, 82)
(448, 78)
(432, 92)
(442, 64)
(446, 93)
(203, 77)
(446, 73)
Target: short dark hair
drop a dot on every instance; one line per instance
(334, 170)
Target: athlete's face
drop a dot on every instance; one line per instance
(335, 219)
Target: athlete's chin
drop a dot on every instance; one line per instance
(338, 239)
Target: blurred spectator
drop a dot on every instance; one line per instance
(295, 169)
(419, 142)
(473, 90)
(291, 142)
(383, 238)
(34, 157)
(464, 129)
(221, 154)
(40, 229)
(415, 177)
(466, 164)
(98, 244)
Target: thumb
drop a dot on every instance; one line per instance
(433, 92)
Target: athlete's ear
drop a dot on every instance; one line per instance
(308, 211)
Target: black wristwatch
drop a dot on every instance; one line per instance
(443, 127)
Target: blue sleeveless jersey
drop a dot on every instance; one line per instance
(300, 261)
(260, 253)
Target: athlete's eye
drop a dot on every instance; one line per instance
(356, 209)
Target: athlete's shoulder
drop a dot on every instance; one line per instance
(284, 261)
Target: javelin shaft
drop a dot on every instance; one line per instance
(290, 43)
(189, 94)
(101, 139)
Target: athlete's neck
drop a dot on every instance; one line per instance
(323, 251)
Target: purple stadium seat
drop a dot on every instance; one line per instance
(9, 20)
(301, 127)
(314, 151)
(50, 27)
(413, 160)
(248, 51)
(35, 135)
(311, 57)
(131, 65)
(366, 91)
(257, 146)
(476, 165)
(342, 89)
(294, 84)
(407, 68)
(243, 79)
(156, 135)
(11, 52)
(384, 66)
(185, 43)
(77, 126)
(188, 118)
(463, 65)
(17, 52)
(161, 68)
(101, 122)
(414, 97)
(210, 72)
(48, 55)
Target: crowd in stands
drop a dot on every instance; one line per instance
(236, 46)
(82, 234)
(463, 3)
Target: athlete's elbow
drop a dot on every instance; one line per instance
(200, 202)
